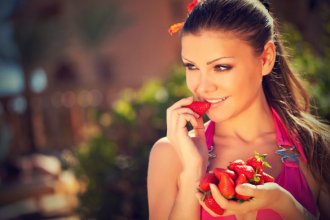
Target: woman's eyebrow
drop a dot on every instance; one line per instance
(220, 58)
(209, 62)
(187, 59)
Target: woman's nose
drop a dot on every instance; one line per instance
(205, 84)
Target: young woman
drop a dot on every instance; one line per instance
(235, 61)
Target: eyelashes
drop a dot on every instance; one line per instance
(189, 66)
(221, 68)
(217, 68)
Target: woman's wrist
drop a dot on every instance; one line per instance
(192, 174)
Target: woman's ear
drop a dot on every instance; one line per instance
(268, 57)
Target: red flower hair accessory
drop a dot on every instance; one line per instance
(192, 5)
(178, 26)
(175, 28)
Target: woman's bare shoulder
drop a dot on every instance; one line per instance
(163, 154)
(162, 145)
(163, 171)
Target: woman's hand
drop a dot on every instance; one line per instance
(191, 149)
(266, 196)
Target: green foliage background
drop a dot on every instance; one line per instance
(114, 163)
(313, 69)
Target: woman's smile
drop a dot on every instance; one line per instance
(217, 102)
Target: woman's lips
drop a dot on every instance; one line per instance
(217, 102)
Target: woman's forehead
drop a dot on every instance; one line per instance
(214, 42)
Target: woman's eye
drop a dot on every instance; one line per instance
(221, 68)
(190, 66)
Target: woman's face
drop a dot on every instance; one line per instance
(223, 70)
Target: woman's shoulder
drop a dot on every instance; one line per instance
(162, 145)
(164, 163)
(163, 151)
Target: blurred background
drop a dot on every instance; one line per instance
(83, 90)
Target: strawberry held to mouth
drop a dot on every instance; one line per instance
(199, 107)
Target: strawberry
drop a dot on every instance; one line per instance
(234, 163)
(218, 172)
(212, 204)
(227, 186)
(199, 107)
(247, 170)
(267, 178)
(258, 179)
(240, 180)
(204, 184)
(258, 162)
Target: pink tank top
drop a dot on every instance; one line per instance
(291, 178)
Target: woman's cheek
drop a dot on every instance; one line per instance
(191, 82)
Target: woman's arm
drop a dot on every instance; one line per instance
(171, 191)
(176, 164)
(266, 196)
(289, 208)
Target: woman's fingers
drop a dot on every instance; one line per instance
(262, 196)
(178, 111)
(181, 103)
(173, 113)
(183, 110)
(199, 128)
(229, 206)
(259, 191)
(222, 201)
(226, 212)
(246, 189)
(183, 119)
(178, 118)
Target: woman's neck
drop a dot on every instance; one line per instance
(249, 125)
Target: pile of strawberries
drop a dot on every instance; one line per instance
(238, 172)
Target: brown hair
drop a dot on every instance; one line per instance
(253, 22)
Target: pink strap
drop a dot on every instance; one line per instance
(209, 134)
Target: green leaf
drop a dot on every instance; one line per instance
(265, 163)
